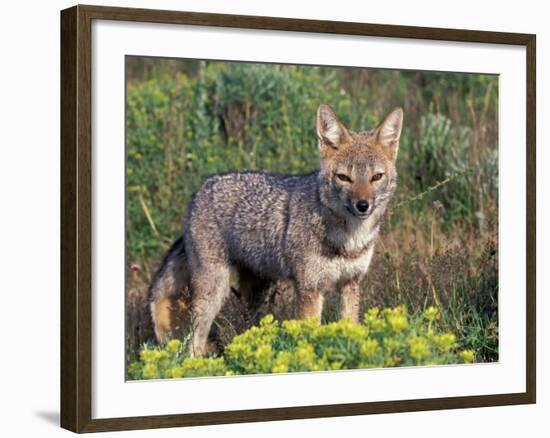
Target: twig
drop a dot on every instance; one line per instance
(148, 214)
(432, 188)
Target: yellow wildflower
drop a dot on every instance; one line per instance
(431, 313)
(398, 322)
(282, 362)
(419, 347)
(266, 320)
(175, 372)
(467, 356)
(445, 341)
(293, 328)
(391, 344)
(147, 355)
(173, 345)
(150, 371)
(369, 348)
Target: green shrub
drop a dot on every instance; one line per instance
(193, 119)
(443, 152)
(386, 338)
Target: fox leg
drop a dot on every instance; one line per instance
(310, 303)
(350, 300)
(254, 291)
(211, 286)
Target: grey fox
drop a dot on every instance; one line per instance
(316, 231)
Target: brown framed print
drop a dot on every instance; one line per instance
(269, 218)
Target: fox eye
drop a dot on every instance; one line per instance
(377, 176)
(343, 177)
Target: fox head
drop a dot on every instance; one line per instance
(358, 172)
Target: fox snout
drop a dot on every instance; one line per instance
(361, 198)
(362, 206)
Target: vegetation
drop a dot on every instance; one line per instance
(385, 339)
(439, 245)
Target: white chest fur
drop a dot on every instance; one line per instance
(347, 255)
(346, 268)
(327, 272)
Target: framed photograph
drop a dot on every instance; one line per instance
(268, 218)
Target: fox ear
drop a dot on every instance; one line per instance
(331, 132)
(389, 131)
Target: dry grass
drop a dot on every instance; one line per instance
(415, 265)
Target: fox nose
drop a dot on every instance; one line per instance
(362, 206)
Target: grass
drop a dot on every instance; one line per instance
(439, 244)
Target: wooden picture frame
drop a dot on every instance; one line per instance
(76, 217)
